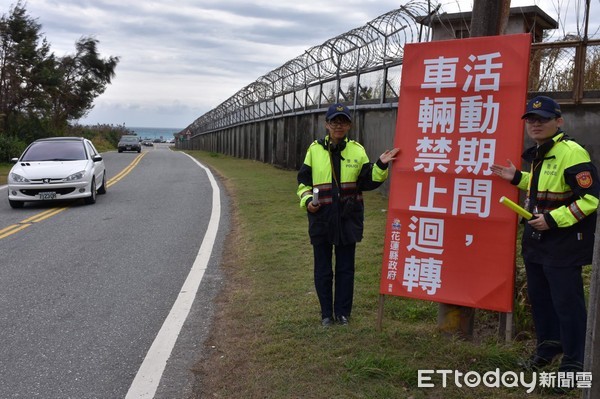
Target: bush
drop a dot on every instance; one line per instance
(10, 147)
(104, 137)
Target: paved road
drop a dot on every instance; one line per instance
(85, 292)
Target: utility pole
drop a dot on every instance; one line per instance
(488, 18)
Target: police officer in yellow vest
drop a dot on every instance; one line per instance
(340, 170)
(562, 192)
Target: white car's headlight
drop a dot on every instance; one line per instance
(17, 178)
(75, 176)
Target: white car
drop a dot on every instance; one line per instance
(57, 168)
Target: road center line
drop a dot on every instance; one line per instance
(10, 230)
(148, 377)
(126, 171)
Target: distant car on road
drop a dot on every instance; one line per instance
(147, 143)
(57, 168)
(129, 143)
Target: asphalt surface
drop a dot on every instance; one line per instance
(84, 293)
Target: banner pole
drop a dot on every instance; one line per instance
(380, 313)
(509, 327)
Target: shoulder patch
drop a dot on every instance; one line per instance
(584, 179)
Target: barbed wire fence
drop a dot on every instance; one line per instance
(363, 67)
(359, 66)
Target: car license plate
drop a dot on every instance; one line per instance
(48, 195)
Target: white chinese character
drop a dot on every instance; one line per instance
(394, 245)
(583, 379)
(430, 276)
(485, 77)
(429, 207)
(566, 379)
(393, 255)
(437, 114)
(440, 73)
(476, 155)
(395, 236)
(428, 236)
(546, 379)
(478, 117)
(392, 264)
(391, 275)
(432, 153)
(472, 197)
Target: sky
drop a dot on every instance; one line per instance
(180, 59)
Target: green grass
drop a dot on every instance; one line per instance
(267, 341)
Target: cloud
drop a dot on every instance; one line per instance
(179, 59)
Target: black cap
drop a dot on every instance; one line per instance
(542, 106)
(337, 109)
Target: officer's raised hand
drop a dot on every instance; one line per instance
(389, 155)
(505, 172)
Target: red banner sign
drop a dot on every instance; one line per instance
(448, 239)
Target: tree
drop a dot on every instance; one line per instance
(25, 66)
(365, 92)
(84, 76)
(39, 91)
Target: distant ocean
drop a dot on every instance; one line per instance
(152, 133)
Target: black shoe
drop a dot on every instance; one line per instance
(535, 362)
(326, 321)
(342, 320)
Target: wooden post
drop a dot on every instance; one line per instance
(380, 313)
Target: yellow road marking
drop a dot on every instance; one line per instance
(126, 171)
(12, 230)
(15, 228)
(43, 215)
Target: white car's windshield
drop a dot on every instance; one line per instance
(55, 151)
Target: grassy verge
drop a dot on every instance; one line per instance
(267, 341)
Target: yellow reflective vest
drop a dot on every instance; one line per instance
(562, 183)
(341, 173)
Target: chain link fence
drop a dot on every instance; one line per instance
(569, 70)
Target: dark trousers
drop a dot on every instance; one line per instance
(559, 312)
(341, 303)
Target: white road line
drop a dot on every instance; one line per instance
(146, 381)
